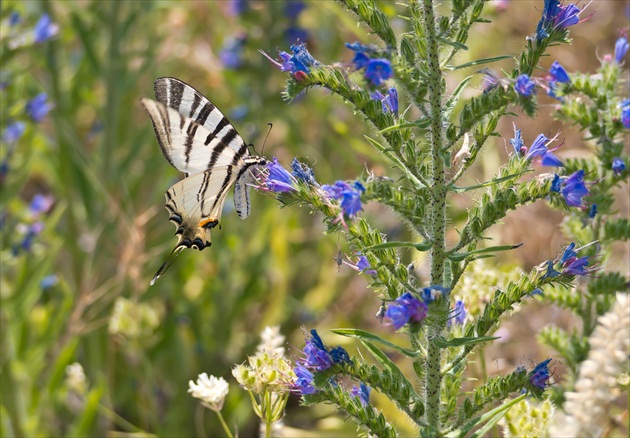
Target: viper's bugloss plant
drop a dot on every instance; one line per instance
(408, 69)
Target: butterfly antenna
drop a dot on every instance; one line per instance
(167, 263)
(266, 137)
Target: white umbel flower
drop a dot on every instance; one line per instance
(597, 385)
(75, 378)
(272, 341)
(210, 390)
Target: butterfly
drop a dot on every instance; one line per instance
(197, 139)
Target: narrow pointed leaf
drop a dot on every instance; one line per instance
(422, 246)
(458, 257)
(363, 335)
(458, 342)
(481, 62)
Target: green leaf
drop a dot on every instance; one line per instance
(387, 363)
(363, 335)
(458, 257)
(454, 98)
(480, 62)
(492, 182)
(422, 246)
(458, 342)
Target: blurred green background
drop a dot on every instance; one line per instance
(79, 290)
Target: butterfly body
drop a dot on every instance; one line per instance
(197, 139)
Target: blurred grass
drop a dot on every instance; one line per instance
(107, 232)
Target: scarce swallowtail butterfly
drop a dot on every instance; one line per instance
(197, 139)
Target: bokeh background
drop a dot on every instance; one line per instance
(76, 287)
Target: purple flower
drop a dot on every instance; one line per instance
(569, 253)
(551, 272)
(517, 141)
(293, 8)
(389, 102)
(625, 113)
(363, 392)
(340, 355)
(572, 188)
(378, 71)
(459, 313)
(362, 265)
(300, 61)
(14, 19)
(575, 266)
(40, 204)
(349, 196)
(621, 48)
(238, 7)
(592, 212)
(31, 232)
(558, 73)
(38, 107)
(567, 16)
(406, 309)
(490, 80)
(431, 293)
(45, 29)
(555, 16)
(303, 173)
(618, 166)
(13, 132)
(538, 147)
(539, 376)
(549, 159)
(524, 85)
(231, 55)
(304, 381)
(317, 356)
(278, 179)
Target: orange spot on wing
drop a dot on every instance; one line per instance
(205, 222)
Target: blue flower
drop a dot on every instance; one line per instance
(592, 212)
(360, 60)
(539, 376)
(621, 48)
(359, 48)
(48, 281)
(576, 266)
(317, 356)
(13, 132)
(238, 7)
(517, 141)
(363, 265)
(569, 253)
(298, 63)
(32, 231)
(40, 204)
(431, 293)
(406, 309)
(549, 159)
(378, 71)
(567, 16)
(278, 179)
(45, 29)
(303, 173)
(537, 291)
(625, 113)
(293, 8)
(38, 107)
(556, 16)
(459, 313)
(389, 102)
(490, 80)
(618, 166)
(558, 73)
(231, 55)
(363, 392)
(572, 188)
(304, 381)
(340, 355)
(14, 19)
(551, 272)
(349, 196)
(538, 147)
(524, 85)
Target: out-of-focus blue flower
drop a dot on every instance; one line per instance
(572, 188)
(459, 313)
(362, 265)
(231, 55)
(303, 173)
(300, 61)
(432, 293)
(551, 272)
(592, 212)
(30, 233)
(539, 376)
(558, 73)
(490, 80)
(238, 7)
(295, 33)
(406, 309)
(304, 381)
(576, 266)
(517, 141)
(363, 392)
(625, 113)
(38, 107)
(552, 91)
(293, 8)
(14, 19)
(48, 281)
(277, 180)
(40, 204)
(537, 291)
(378, 71)
(348, 195)
(317, 356)
(621, 48)
(569, 253)
(524, 85)
(45, 29)
(389, 102)
(340, 355)
(13, 132)
(549, 159)
(358, 47)
(618, 166)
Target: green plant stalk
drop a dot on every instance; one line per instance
(433, 379)
(224, 424)
(111, 84)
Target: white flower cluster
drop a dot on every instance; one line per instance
(272, 341)
(75, 378)
(598, 384)
(210, 390)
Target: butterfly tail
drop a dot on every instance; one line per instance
(167, 263)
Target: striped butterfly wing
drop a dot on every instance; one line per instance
(198, 140)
